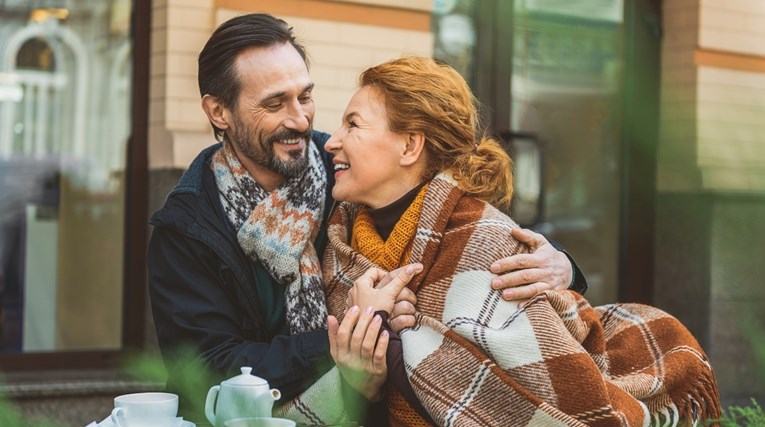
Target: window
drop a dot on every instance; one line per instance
(550, 75)
(71, 186)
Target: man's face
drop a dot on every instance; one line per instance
(270, 127)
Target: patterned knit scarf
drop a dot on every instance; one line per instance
(278, 228)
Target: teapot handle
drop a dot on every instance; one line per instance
(212, 396)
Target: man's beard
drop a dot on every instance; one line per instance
(244, 138)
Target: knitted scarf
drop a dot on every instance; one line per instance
(389, 254)
(473, 359)
(278, 228)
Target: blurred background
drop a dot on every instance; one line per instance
(637, 129)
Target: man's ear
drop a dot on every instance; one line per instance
(216, 111)
(415, 146)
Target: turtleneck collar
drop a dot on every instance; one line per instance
(386, 217)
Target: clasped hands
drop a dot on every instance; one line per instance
(357, 345)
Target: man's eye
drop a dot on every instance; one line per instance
(274, 106)
(306, 97)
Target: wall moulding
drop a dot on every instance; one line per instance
(730, 60)
(356, 12)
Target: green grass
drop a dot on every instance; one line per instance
(742, 416)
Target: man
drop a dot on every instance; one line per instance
(234, 256)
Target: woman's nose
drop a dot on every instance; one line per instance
(333, 143)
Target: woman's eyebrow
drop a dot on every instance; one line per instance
(351, 115)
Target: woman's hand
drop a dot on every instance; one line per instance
(525, 275)
(358, 352)
(381, 290)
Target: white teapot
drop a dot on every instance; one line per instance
(241, 396)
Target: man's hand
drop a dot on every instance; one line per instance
(402, 316)
(381, 290)
(358, 353)
(525, 275)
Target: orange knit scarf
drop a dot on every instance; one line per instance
(390, 255)
(393, 252)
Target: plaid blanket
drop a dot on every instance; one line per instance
(474, 359)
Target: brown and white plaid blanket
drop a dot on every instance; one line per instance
(474, 359)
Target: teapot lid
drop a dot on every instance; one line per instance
(246, 378)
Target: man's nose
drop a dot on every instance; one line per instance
(298, 118)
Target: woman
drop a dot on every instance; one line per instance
(417, 186)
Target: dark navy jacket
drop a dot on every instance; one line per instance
(204, 297)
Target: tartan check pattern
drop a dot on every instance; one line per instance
(474, 359)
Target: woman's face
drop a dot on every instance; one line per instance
(368, 155)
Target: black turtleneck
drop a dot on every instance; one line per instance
(386, 217)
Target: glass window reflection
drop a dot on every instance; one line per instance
(64, 122)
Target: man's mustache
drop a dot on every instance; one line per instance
(289, 134)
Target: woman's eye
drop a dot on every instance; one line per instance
(352, 124)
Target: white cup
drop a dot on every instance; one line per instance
(151, 409)
(259, 422)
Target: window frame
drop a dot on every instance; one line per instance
(491, 81)
(134, 294)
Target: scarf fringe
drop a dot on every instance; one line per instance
(699, 403)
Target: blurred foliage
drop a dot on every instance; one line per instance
(12, 417)
(191, 380)
(753, 332)
(145, 366)
(9, 416)
(742, 416)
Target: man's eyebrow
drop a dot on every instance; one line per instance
(282, 94)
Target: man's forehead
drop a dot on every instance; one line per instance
(272, 69)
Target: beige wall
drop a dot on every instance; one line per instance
(713, 96)
(342, 38)
(733, 25)
(177, 125)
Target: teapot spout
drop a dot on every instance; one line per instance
(275, 395)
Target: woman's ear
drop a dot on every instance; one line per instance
(414, 148)
(215, 111)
